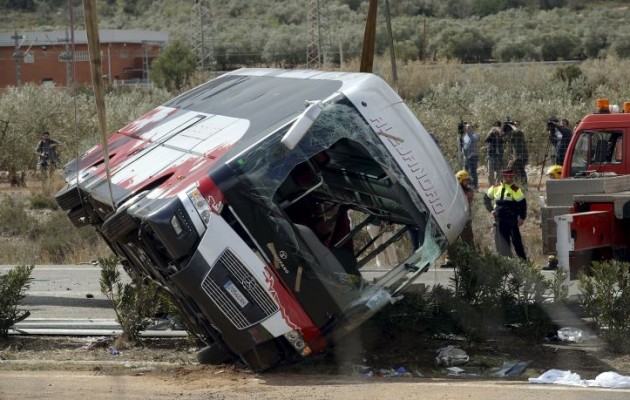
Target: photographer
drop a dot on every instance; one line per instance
(563, 137)
(519, 155)
(46, 149)
(470, 143)
(494, 146)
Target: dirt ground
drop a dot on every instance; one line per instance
(56, 368)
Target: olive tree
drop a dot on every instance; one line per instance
(174, 67)
(467, 45)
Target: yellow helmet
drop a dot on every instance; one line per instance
(462, 175)
(555, 171)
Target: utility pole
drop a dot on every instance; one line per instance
(392, 51)
(202, 34)
(66, 56)
(318, 48)
(313, 50)
(17, 57)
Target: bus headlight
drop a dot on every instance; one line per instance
(200, 204)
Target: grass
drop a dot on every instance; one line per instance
(33, 230)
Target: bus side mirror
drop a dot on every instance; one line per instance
(302, 124)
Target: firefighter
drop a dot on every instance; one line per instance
(509, 212)
(555, 172)
(463, 177)
(467, 236)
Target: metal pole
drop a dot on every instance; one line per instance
(68, 58)
(17, 58)
(369, 39)
(202, 37)
(392, 52)
(319, 38)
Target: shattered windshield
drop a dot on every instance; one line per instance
(340, 168)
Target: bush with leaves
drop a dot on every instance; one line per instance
(134, 303)
(174, 67)
(487, 292)
(606, 298)
(492, 291)
(13, 287)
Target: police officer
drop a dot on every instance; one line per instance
(509, 212)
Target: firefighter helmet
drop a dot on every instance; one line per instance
(555, 172)
(462, 176)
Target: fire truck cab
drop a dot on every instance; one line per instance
(587, 213)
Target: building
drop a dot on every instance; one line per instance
(44, 57)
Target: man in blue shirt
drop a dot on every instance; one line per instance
(470, 144)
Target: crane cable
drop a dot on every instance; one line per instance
(91, 28)
(73, 84)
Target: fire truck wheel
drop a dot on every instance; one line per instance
(213, 354)
(119, 225)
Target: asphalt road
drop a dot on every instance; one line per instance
(73, 291)
(66, 292)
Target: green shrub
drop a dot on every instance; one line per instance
(134, 303)
(13, 218)
(606, 298)
(40, 201)
(13, 287)
(492, 291)
(487, 293)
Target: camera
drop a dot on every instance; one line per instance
(552, 124)
(507, 126)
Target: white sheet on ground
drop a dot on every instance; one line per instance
(568, 378)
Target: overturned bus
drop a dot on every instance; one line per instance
(246, 197)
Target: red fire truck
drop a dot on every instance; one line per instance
(587, 213)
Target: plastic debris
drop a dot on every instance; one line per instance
(401, 371)
(568, 378)
(454, 371)
(113, 351)
(559, 377)
(101, 342)
(512, 368)
(451, 355)
(570, 335)
(610, 380)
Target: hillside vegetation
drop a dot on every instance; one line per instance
(276, 33)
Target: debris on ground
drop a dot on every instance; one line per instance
(451, 355)
(457, 371)
(570, 335)
(568, 378)
(512, 368)
(101, 342)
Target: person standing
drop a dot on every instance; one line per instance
(563, 134)
(463, 177)
(470, 144)
(46, 150)
(519, 154)
(509, 212)
(467, 236)
(494, 145)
